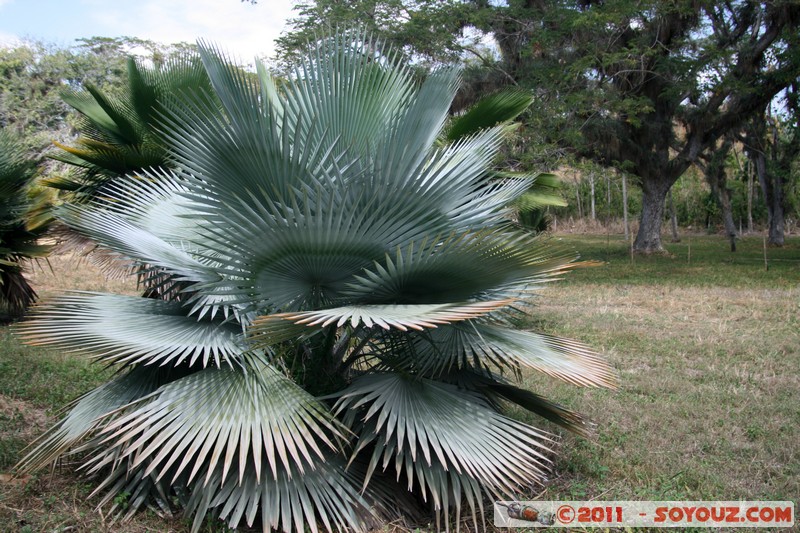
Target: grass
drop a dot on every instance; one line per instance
(706, 349)
(707, 353)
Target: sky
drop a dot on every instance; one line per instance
(242, 29)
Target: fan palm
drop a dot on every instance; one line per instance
(343, 328)
(18, 236)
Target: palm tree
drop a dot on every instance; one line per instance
(18, 235)
(544, 190)
(119, 132)
(343, 327)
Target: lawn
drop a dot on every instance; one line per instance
(708, 355)
(705, 342)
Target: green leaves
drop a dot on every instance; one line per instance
(18, 233)
(498, 108)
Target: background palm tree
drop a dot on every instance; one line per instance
(345, 324)
(120, 139)
(545, 189)
(119, 133)
(18, 233)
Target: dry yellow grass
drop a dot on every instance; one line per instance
(71, 271)
(709, 404)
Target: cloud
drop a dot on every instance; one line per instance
(8, 39)
(243, 29)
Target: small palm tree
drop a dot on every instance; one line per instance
(18, 234)
(119, 132)
(343, 334)
(505, 106)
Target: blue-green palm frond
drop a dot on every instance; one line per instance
(314, 238)
(461, 265)
(326, 496)
(124, 329)
(494, 347)
(251, 416)
(413, 423)
(89, 413)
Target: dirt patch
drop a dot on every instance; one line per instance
(35, 419)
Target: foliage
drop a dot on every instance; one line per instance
(406, 26)
(338, 319)
(34, 74)
(120, 133)
(18, 238)
(31, 77)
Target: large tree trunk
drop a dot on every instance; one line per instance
(771, 179)
(727, 216)
(723, 197)
(654, 194)
(772, 188)
(777, 228)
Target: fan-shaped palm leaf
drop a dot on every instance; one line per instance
(412, 423)
(253, 414)
(125, 329)
(91, 411)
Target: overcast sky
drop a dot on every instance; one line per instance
(243, 29)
